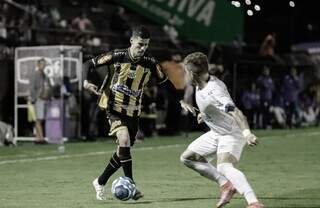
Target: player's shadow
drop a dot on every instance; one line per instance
(173, 200)
(295, 206)
(286, 202)
(238, 197)
(289, 198)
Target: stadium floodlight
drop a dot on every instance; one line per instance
(248, 2)
(257, 7)
(292, 4)
(236, 3)
(249, 12)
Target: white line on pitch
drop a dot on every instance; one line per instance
(134, 149)
(84, 154)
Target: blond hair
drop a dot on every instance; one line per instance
(197, 61)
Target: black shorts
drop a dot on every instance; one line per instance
(118, 121)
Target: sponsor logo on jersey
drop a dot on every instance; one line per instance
(125, 90)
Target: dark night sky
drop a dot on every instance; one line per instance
(291, 24)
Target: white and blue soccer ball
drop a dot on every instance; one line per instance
(123, 188)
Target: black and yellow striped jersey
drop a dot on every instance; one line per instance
(127, 78)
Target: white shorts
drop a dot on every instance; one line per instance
(211, 143)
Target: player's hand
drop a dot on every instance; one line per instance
(252, 140)
(200, 118)
(91, 87)
(189, 108)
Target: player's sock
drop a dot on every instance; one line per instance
(112, 167)
(126, 161)
(205, 169)
(239, 181)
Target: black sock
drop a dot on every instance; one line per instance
(126, 161)
(112, 167)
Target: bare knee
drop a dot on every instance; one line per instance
(123, 138)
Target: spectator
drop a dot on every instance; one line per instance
(82, 23)
(308, 110)
(277, 110)
(267, 46)
(40, 90)
(251, 101)
(266, 87)
(289, 90)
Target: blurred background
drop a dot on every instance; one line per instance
(267, 53)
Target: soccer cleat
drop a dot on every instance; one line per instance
(99, 190)
(137, 195)
(255, 205)
(227, 191)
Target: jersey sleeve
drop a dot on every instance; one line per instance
(222, 98)
(92, 64)
(226, 101)
(103, 59)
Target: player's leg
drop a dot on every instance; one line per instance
(200, 164)
(229, 152)
(113, 165)
(39, 131)
(116, 124)
(133, 126)
(40, 116)
(197, 158)
(124, 153)
(114, 162)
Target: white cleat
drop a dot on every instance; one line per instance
(100, 195)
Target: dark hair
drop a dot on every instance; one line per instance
(198, 61)
(141, 31)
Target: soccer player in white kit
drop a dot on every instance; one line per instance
(229, 132)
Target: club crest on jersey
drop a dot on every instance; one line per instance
(104, 59)
(131, 74)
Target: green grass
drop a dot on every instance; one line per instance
(283, 170)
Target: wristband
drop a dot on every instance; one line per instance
(246, 132)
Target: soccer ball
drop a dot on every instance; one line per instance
(123, 188)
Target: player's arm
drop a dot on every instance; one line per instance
(242, 122)
(185, 103)
(188, 107)
(157, 71)
(161, 76)
(90, 66)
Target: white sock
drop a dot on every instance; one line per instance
(239, 181)
(206, 170)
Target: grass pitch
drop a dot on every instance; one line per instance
(284, 170)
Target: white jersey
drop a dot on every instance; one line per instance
(213, 101)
